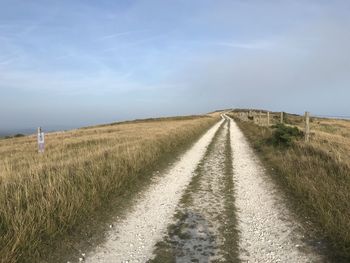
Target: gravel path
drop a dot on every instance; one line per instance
(133, 238)
(197, 233)
(268, 232)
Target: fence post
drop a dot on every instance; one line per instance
(268, 119)
(255, 117)
(282, 116)
(307, 126)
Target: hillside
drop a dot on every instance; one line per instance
(43, 196)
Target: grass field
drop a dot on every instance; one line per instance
(316, 175)
(42, 196)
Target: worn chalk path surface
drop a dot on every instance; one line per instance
(203, 229)
(268, 233)
(134, 237)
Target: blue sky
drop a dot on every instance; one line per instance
(76, 63)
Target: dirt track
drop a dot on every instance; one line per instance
(204, 226)
(215, 204)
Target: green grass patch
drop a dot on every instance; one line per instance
(283, 135)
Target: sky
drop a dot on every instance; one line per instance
(84, 62)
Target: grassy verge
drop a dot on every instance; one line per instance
(43, 197)
(229, 230)
(316, 179)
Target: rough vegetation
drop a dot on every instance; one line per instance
(284, 135)
(316, 174)
(42, 196)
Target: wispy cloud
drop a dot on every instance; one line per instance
(7, 61)
(116, 35)
(68, 83)
(137, 42)
(247, 45)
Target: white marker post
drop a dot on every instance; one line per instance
(41, 141)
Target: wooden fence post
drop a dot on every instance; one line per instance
(307, 126)
(282, 116)
(260, 119)
(255, 118)
(268, 119)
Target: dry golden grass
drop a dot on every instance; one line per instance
(43, 195)
(329, 135)
(316, 174)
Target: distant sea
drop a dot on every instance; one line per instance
(16, 131)
(28, 131)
